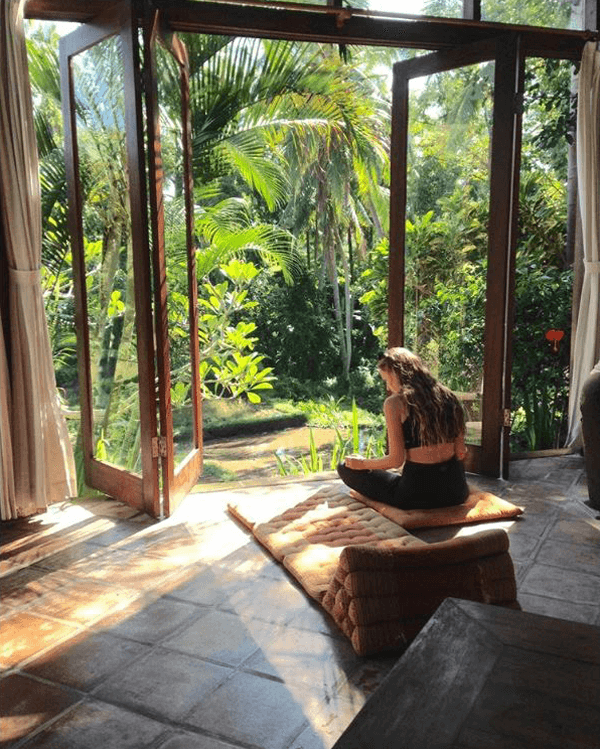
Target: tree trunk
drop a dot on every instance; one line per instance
(349, 309)
(337, 308)
(572, 181)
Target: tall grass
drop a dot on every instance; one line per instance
(369, 442)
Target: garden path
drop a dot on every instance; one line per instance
(253, 456)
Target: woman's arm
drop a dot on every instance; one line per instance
(393, 411)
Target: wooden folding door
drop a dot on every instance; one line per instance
(174, 261)
(487, 437)
(120, 275)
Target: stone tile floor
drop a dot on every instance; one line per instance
(119, 631)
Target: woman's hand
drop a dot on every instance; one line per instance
(355, 462)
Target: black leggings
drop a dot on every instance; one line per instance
(419, 486)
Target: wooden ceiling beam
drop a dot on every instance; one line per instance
(329, 24)
(305, 23)
(77, 11)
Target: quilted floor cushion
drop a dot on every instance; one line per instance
(378, 581)
(308, 538)
(479, 507)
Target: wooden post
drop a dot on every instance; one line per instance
(140, 240)
(591, 15)
(157, 234)
(398, 164)
(472, 10)
(504, 196)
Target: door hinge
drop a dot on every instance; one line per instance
(507, 416)
(159, 447)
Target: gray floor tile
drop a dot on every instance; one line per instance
(220, 540)
(536, 496)
(314, 618)
(254, 559)
(85, 660)
(331, 718)
(96, 725)
(568, 585)
(68, 556)
(24, 635)
(219, 636)
(252, 710)
(523, 544)
(165, 683)
(570, 556)
(211, 586)
(85, 601)
(548, 469)
(153, 622)
(27, 704)
(275, 601)
(559, 609)
(121, 531)
(535, 523)
(309, 658)
(193, 741)
(310, 738)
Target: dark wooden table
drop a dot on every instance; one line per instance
(485, 677)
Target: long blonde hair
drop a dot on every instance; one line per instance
(436, 408)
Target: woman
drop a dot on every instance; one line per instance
(425, 429)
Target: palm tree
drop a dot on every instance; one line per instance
(298, 135)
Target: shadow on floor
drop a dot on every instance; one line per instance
(120, 631)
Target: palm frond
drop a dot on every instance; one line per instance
(246, 154)
(227, 231)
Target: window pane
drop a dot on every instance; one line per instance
(551, 13)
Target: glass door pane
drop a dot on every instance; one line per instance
(176, 255)
(448, 299)
(447, 229)
(106, 181)
(107, 254)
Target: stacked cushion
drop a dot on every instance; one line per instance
(381, 597)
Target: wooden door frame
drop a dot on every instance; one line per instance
(492, 457)
(139, 491)
(451, 37)
(503, 219)
(176, 482)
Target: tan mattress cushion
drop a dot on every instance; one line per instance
(310, 536)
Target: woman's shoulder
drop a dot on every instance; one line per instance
(395, 405)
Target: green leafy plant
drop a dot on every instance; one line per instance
(230, 367)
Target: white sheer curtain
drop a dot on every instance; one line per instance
(586, 350)
(37, 460)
